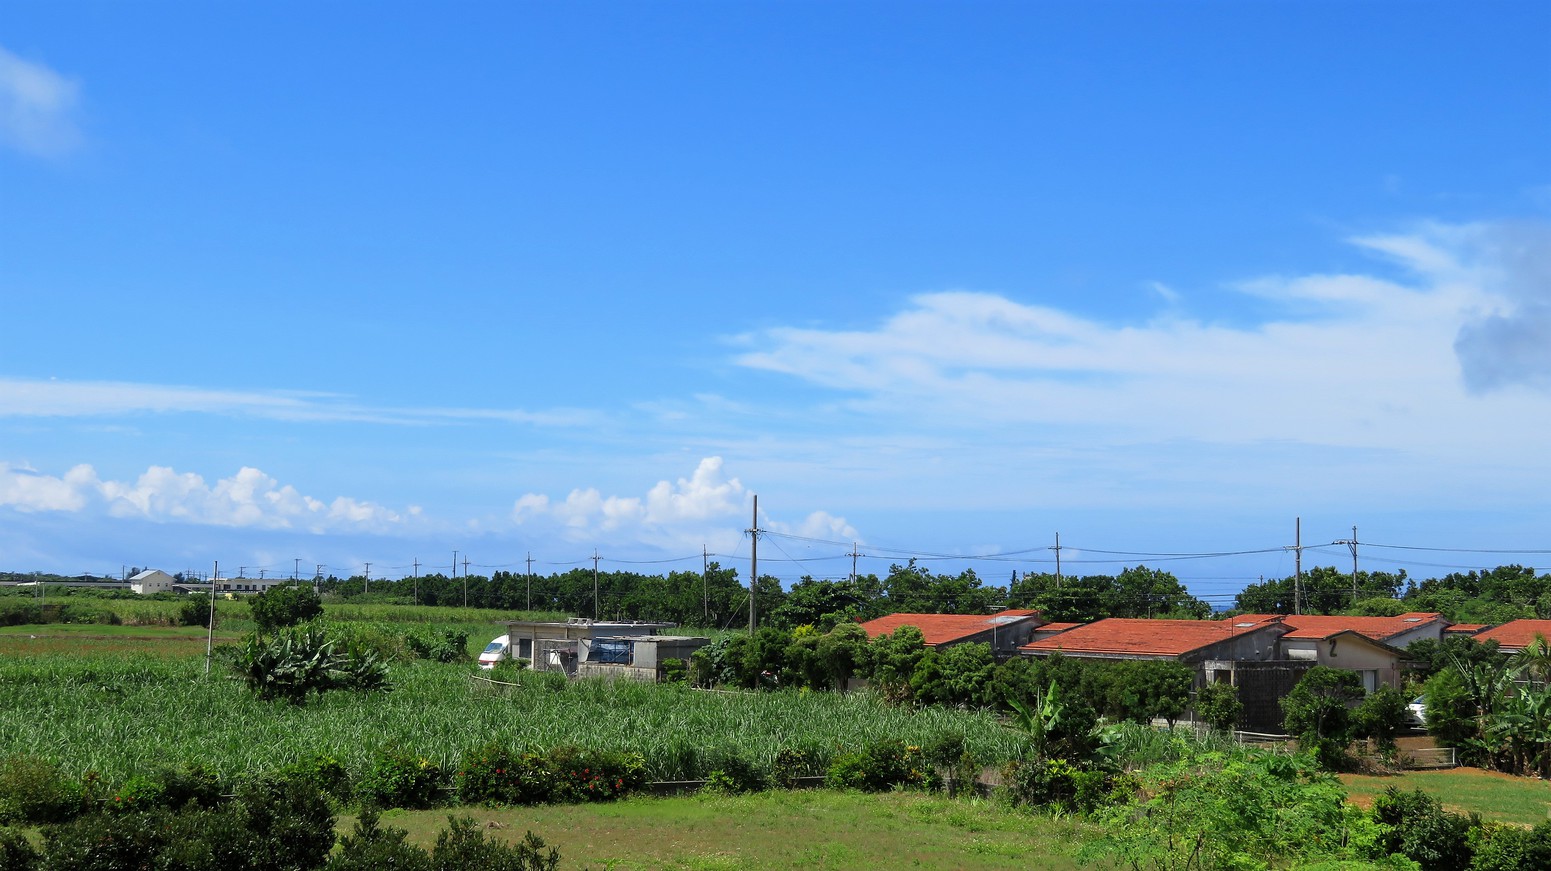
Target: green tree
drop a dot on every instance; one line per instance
(1218, 705)
(895, 657)
(845, 653)
(279, 607)
(1319, 712)
(1380, 717)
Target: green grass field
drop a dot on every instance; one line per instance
(817, 829)
(119, 714)
(1494, 796)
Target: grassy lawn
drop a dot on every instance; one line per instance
(1494, 796)
(804, 829)
(89, 639)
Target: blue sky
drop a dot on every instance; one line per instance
(359, 282)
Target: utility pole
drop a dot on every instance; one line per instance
(296, 569)
(1351, 544)
(417, 580)
(530, 580)
(853, 555)
(1057, 549)
(705, 582)
(210, 628)
(1297, 549)
(753, 563)
(317, 580)
(366, 587)
(594, 584)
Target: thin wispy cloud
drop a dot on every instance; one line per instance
(40, 398)
(37, 108)
(248, 499)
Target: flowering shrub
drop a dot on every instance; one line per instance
(496, 775)
(595, 775)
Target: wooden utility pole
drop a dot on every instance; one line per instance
(753, 563)
(1057, 549)
(1297, 565)
(210, 627)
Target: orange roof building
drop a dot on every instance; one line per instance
(1394, 631)
(1515, 635)
(1183, 640)
(1004, 630)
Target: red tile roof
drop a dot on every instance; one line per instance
(945, 628)
(1515, 634)
(1122, 636)
(1057, 627)
(1464, 628)
(1317, 626)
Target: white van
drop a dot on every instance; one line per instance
(495, 651)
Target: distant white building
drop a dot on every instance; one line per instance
(249, 585)
(152, 581)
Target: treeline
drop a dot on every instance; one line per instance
(904, 671)
(1497, 595)
(717, 599)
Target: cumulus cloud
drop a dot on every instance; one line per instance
(248, 499)
(1509, 344)
(37, 108)
(704, 508)
(1356, 359)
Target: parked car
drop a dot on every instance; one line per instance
(1417, 711)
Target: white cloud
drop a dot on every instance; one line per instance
(706, 508)
(1355, 359)
(37, 108)
(38, 398)
(248, 499)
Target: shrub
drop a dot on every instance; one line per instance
(1504, 847)
(496, 775)
(734, 774)
(398, 779)
(448, 645)
(675, 671)
(1319, 712)
(167, 787)
(194, 612)
(884, 764)
(792, 763)
(296, 663)
(950, 755)
(370, 847)
(33, 791)
(1060, 785)
(16, 852)
(1218, 705)
(1416, 826)
(322, 772)
(595, 775)
(279, 607)
(273, 825)
(464, 846)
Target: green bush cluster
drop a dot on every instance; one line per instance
(884, 764)
(398, 778)
(271, 824)
(1415, 825)
(495, 774)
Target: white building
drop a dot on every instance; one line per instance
(152, 581)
